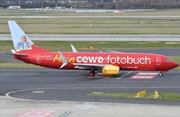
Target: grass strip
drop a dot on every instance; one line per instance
(104, 29)
(164, 96)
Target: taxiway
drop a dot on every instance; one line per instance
(73, 85)
(97, 37)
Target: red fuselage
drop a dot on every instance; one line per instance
(125, 61)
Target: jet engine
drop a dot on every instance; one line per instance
(110, 70)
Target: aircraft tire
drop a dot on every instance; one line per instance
(160, 74)
(92, 73)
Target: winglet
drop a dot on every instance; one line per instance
(63, 59)
(73, 48)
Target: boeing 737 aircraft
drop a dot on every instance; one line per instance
(107, 62)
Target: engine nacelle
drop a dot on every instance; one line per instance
(110, 70)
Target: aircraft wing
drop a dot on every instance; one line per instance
(82, 65)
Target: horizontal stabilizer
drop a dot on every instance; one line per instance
(15, 54)
(13, 51)
(20, 55)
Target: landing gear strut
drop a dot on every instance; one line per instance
(92, 73)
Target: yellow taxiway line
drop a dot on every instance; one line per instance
(123, 75)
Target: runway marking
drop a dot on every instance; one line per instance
(36, 114)
(145, 75)
(37, 91)
(148, 73)
(123, 75)
(142, 77)
(65, 114)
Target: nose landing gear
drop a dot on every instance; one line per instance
(160, 74)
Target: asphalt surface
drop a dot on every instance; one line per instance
(73, 85)
(98, 37)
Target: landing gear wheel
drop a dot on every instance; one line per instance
(92, 73)
(160, 74)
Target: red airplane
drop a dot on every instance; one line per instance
(107, 62)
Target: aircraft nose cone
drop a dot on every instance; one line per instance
(175, 64)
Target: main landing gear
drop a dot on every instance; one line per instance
(92, 73)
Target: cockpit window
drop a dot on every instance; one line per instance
(168, 59)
